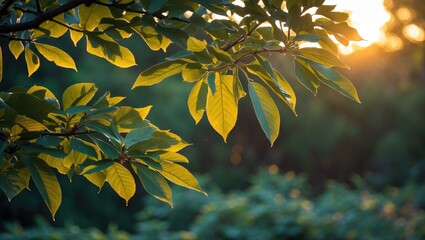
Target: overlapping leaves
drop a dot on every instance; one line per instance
(101, 141)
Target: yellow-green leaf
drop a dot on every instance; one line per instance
(196, 45)
(56, 55)
(105, 47)
(197, 100)
(222, 110)
(121, 181)
(265, 109)
(90, 16)
(29, 124)
(143, 112)
(75, 35)
(180, 176)
(173, 157)
(78, 94)
(97, 178)
(46, 182)
(49, 28)
(159, 72)
(323, 57)
(32, 60)
(16, 48)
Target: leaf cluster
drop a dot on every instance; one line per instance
(101, 141)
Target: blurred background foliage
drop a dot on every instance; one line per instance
(339, 170)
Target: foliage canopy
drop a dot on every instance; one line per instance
(223, 45)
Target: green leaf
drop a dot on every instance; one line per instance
(211, 81)
(32, 60)
(84, 147)
(37, 110)
(180, 176)
(46, 182)
(91, 15)
(323, 57)
(107, 148)
(160, 141)
(238, 90)
(56, 55)
(284, 91)
(16, 48)
(305, 75)
(97, 166)
(154, 183)
(78, 95)
(335, 80)
(103, 46)
(121, 181)
(197, 100)
(222, 110)
(13, 179)
(138, 135)
(159, 72)
(265, 109)
(38, 148)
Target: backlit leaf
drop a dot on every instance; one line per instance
(222, 110)
(75, 35)
(16, 48)
(32, 60)
(197, 100)
(196, 45)
(56, 55)
(90, 16)
(180, 176)
(78, 95)
(121, 180)
(323, 57)
(105, 47)
(159, 72)
(306, 76)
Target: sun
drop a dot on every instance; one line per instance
(368, 17)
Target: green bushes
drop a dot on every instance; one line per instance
(274, 207)
(282, 207)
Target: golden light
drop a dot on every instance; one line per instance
(392, 43)
(414, 33)
(368, 17)
(404, 14)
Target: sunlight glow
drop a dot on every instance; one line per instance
(368, 17)
(414, 33)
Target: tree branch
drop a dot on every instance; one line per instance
(67, 134)
(16, 27)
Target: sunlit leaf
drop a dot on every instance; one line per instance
(56, 55)
(92, 14)
(121, 180)
(32, 60)
(323, 57)
(265, 110)
(306, 76)
(159, 72)
(222, 110)
(16, 48)
(76, 35)
(197, 100)
(78, 94)
(196, 45)
(97, 178)
(180, 176)
(105, 47)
